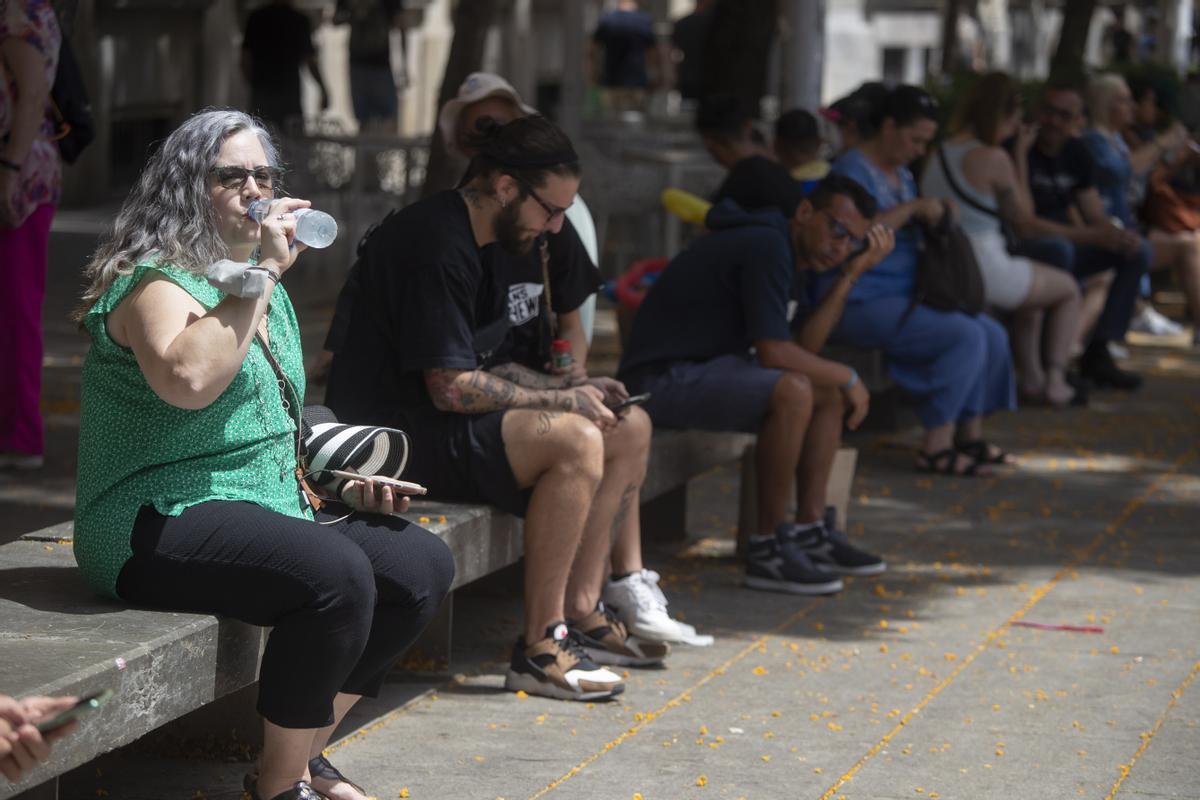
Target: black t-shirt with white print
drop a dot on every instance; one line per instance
(573, 278)
(420, 297)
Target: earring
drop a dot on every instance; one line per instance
(503, 202)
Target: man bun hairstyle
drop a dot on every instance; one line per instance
(834, 184)
(529, 149)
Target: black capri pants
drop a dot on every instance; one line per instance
(344, 600)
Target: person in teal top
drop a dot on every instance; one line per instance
(189, 497)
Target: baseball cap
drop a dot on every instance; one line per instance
(476, 87)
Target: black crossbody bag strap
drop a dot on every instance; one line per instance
(975, 204)
(286, 388)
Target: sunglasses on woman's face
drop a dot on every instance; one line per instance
(235, 177)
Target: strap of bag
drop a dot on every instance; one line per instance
(975, 204)
(286, 388)
(544, 255)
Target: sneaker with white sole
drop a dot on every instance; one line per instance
(605, 640)
(1151, 321)
(830, 548)
(557, 667)
(641, 605)
(778, 566)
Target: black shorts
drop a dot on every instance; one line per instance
(461, 458)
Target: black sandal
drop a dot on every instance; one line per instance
(944, 462)
(980, 451)
(301, 791)
(320, 767)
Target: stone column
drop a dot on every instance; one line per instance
(803, 54)
(574, 85)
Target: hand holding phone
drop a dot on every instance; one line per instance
(633, 400)
(85, 705)
(403, 487)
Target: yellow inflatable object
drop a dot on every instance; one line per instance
(685, 205)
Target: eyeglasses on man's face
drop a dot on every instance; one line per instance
(840, 233)
(232, 177)
(552, 211)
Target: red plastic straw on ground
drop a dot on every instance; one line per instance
(1046, 626)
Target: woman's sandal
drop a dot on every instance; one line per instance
(320, 767)
(985, 453)
(945, 462)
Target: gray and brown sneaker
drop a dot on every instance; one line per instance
(606, 641)
(557, 667)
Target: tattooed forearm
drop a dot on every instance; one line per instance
(477, 392)
(530, 379)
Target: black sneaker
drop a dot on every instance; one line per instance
(1097, 365)
(830, 548)
(557, 667)
(777, 566)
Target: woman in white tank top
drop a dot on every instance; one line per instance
(987, 185)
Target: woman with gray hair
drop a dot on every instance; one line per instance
(190, 496)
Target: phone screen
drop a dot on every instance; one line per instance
(635, 400)
(84, 706)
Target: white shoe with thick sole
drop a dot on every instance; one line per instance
(642, 606)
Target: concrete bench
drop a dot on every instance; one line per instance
(58, 637)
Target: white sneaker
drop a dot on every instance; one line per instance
(1118, 351)
(642, 606)
(1151, 322)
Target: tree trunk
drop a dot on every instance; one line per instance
(950, 13)
(1072, 39)
(738, 48)
(472, 20)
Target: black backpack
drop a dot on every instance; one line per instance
(71, 109)
(948, 276)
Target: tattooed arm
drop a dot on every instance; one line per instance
(531, 379)
(477, 392)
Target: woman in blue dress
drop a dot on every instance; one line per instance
(957, 367)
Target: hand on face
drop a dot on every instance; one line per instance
(881, 240)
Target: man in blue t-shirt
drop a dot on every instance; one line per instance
(712, 345)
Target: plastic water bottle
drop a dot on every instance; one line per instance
(313, 228)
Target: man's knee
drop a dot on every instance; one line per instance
(576, 445)
(632, 435)
(793, 392)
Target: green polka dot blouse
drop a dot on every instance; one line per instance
(137, 450)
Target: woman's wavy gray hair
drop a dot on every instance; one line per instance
(169, 214)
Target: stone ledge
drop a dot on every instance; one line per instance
(60, 638)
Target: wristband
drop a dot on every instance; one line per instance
(10, 165)
(850, 384)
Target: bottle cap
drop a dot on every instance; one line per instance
(561, 346)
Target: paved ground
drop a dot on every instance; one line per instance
(924, 683)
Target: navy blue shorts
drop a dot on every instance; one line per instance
(728, 393)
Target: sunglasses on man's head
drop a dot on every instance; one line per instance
(232, 177)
